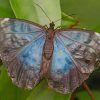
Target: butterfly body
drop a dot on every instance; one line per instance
(48, 46)
(48, 50)
(30, 52)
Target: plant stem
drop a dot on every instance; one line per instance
(72, 97)
(88, 90)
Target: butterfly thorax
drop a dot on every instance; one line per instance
(48, 46)
(51, 25)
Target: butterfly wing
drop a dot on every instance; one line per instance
(73, 60)
(84, 46)
(21, 50)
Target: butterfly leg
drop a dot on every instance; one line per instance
(88, 90)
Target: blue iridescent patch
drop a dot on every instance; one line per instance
(31, 55)
(61, 61)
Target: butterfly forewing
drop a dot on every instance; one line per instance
(82, 46)
(73, 59)
(21, 50)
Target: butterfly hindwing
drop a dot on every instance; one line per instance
(63, 75)
(73, 59)
(21, 50)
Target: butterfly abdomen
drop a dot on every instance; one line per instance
(48, 46)
(48, 49)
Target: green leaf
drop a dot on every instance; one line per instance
(27, 9)
(5, 9)
(68, 21)
(87, 11)
(43, 92)
(83, 95)
(9, 91)
(0, 65)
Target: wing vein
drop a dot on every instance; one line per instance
(33, 39)
(68, 52)
(76, 41)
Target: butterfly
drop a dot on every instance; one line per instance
(31, 52)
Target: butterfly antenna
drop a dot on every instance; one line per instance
(57, 20)
(43, 11)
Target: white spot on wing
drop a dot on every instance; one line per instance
(97, 34)
(3, 21)
(6, 19)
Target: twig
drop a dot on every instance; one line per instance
(72, 97)
(88, 90)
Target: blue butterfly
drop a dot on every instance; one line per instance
(31, 52)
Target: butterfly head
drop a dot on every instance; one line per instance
(52, 25)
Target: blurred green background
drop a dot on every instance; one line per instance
(86, 11)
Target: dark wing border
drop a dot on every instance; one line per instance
(26, 21)
(74, 29)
